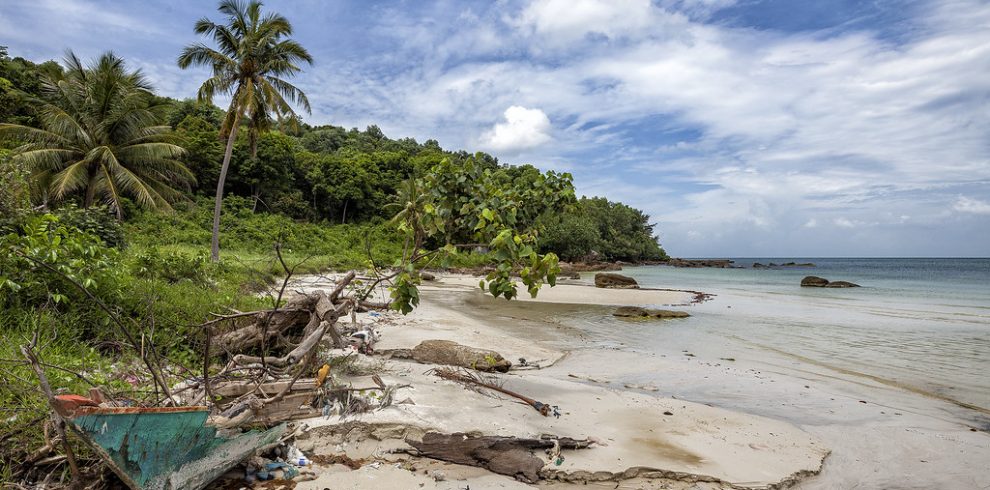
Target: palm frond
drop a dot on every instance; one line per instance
(74, 177)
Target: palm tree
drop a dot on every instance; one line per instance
(101, 135)
(251, 62)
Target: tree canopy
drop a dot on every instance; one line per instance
(99, 134)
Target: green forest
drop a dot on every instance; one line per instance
(112, 227)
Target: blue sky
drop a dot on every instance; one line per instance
(743, 127)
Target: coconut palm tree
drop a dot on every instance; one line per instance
(101, 136)
(250, 63)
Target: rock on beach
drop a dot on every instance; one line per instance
(615, 281)
(454, 354)
(638, 312)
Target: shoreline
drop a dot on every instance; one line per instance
(865, 424)
(642, 439)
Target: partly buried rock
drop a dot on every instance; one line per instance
(638, 312)
(821, 282)
(454, 354)
(841, 284)
(427, 276)
(615, 281)
(814, 281)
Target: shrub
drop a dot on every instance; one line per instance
(172, 266)
(39, 265)
(96, 220)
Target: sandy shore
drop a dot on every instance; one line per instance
(643, 439)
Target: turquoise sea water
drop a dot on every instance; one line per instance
(918, 324)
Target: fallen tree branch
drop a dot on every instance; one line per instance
(503, 455)
(472, 379)
(242, 314)
(29, 354)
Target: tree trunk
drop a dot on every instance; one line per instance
(90, 190)
(343, 216)
(215, 243)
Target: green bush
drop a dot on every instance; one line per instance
(97, 220)
(45, 261)
(172, 266)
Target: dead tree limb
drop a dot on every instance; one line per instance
(344, 281)
(29, 354)
(467, 378)
(503, 455)
(241, 314)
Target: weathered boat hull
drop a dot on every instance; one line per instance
(165, 448)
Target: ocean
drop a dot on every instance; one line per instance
(919, 324)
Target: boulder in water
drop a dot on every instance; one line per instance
(841, 284)
(814, 281)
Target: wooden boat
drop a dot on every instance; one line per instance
(168, 448)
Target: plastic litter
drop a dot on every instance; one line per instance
(296, 457)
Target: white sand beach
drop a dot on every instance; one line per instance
(641, 437)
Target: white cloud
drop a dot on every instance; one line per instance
(568, 20)
(811, 223)
(523, 129)
(968, 205)
(844, 223)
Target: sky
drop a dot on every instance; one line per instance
(744, 128)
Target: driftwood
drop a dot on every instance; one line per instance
(295, 315)
(503, 455)
(303, 315)
(470, 379)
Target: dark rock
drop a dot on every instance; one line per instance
(814, 281)
(715, 263)
(668, 314)
(841, 284)
(630, 311)
(638, 312)
(772, 265)
(615, 281)
(454, 354)
(427, 276)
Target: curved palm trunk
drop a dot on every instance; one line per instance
(215, 244)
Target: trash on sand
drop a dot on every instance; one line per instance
(296, 457)
(163, 447)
